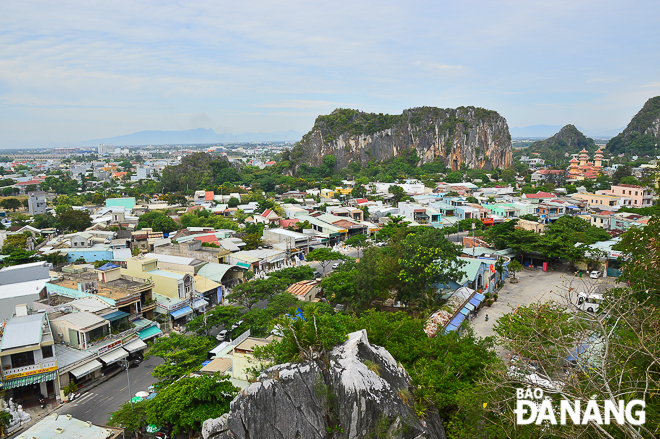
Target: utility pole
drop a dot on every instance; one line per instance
(130, 394)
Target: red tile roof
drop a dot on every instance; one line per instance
(302, 288)
(209, 195)
(206, 238)
(288, 222)
(539, 195)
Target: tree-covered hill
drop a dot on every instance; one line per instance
(569, 140)
(642, 134)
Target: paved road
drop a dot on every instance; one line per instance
(97, 404)
(537, 286)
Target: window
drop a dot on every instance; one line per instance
(23, 359)
(47, 351)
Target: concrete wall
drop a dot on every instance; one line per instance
(193, 250)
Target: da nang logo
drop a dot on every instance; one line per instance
(533, 407)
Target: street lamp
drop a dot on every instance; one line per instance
(125, 364)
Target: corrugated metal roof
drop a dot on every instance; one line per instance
(214, 271)
(22, 288)
(172, 259)
(22, 331)
(82, 319)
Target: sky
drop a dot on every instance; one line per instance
(78, 70)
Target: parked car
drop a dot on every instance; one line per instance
(236, 325)
(317, 274)
(222, 335)
(594, 274)
(335, 265)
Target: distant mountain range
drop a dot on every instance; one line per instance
(189, 137)
(546, 131)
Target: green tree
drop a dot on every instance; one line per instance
(233, 202)
(514, 267)
(11, 204)
(398, 192)
(181, 354)
(324, 256)
(253, 241)
(620, 173)
(164, 224)
(358, 241)
(428, 258)
(44, 221)
(219, 316)
(250, 293)
(189, 401)
(358, 191)
(130, 417)
(74, 220)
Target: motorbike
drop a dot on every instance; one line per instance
(42, 401)
(486, 317)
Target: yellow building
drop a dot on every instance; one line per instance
(167, 283)
(595, 200)
(327, 193)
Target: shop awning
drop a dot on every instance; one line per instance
(199, 303)
(456, 321)
(135, 345)
(150, 332)
(32, 379)
(477, 299)
(113, 356)
(86, 368)
(469, 306)
(450, 328)
(181, 312)
(465, 311)
(117, 315)
(243, 265)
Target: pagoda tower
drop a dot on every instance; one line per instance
(584, 156)
(573, 169)
(598, 161)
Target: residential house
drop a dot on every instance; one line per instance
(29, 365)
(37, 202)
(305, 290)
(267, 217)
(635, 196)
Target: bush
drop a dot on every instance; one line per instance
(489, 302)
(70, 388)
(495, 296)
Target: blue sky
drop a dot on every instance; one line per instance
(77, 70)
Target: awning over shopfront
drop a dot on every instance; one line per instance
(457, 320)
(150, 332)
(113, 356)
(117, 315)
(86, 368)
(33, 379)
(243, 265)
(199, 303)
(181, 312)
(135, 345)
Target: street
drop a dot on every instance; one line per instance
(97, 404)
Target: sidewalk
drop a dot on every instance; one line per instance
(37, 413)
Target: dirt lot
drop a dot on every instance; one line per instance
(533, 286)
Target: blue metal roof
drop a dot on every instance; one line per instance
(181, 312)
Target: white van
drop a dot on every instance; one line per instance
(589, 302)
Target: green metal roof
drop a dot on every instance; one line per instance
(149, 332)
(33, 379)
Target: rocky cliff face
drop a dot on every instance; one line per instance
(360, 393)
(476, 137)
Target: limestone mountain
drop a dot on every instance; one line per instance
(642, 135)
(567, 140)
(360, 393)
(472, 136)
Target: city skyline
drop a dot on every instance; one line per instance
(77, 71)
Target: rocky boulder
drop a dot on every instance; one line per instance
(360, 392)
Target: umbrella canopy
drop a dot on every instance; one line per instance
(153, 428)
(137, 399)
(142, 394)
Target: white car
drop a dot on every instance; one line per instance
(335, 265)
(222, 335)
(594, 274)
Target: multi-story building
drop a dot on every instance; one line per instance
(37, 202)
(635, 196)
(29, 365)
